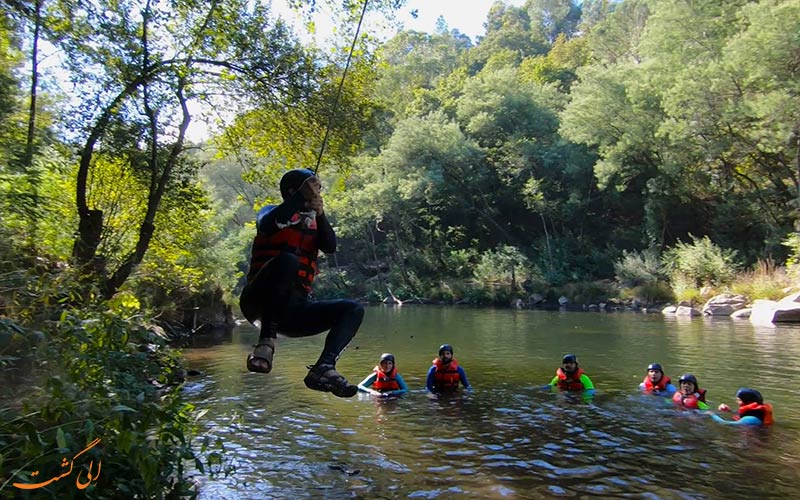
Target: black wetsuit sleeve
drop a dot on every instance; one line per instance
(326, 238)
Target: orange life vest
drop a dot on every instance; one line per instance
(385, 382)
(570, 382)
(761, 411)
(691, 400)
(298, 237)
(660, 386)
(446, 377)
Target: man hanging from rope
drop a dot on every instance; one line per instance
(282, 267)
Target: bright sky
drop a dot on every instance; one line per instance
(468, 16)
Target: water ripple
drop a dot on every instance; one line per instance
(508, 438)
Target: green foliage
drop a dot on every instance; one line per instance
(559, 65)
(792, 242)
(686, 292)
(106, 378)
(700, 263)
(657, 292)
(698, 93)
(505, 267)
(413, 64)
(638, 268)
(764, 280)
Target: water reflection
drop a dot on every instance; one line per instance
(507, 438)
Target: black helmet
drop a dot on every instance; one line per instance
(445, 347)
(293, 179)
(569, 358)
(749, 396)
(688, 377)
(387, 356)
(655, 367)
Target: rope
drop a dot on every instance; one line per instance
(339, 92)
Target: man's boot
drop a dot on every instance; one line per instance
(325, 378)
(260, 361)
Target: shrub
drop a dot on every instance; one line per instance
(653, 293)
(685, 291)
(496, 266)
(701, 263)
(459, 263)
(792, 241)
(638, 268)
(764, 281)
(110, 378)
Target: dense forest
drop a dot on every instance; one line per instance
(638, 149)
(574, 142)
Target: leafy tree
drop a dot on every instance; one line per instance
(508, 28)
(148, 62)
(614, 37)
(427, 188)
(559, 65)
(414, 63)
(553, 18)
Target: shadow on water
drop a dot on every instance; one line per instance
(507, 438)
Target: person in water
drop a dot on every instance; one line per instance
(445, 374)
(690, 395)
(384, 380)
(752, 409)
(570, 377)
(283, 265)
(655, 382)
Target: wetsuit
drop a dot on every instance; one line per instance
(282, 268)
(749, 414)
(749, 420)
(442, 379)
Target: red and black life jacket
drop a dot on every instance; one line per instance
(570, 382)
(446, 377)
(690, 401)
(659, 387)
(298, 237)
(760, 411)
(385, 382)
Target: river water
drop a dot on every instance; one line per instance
(507, 438)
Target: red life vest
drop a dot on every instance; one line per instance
(298, 237)
(761, 411)
(385, 382)
(691, 400)
(660, 386)
(446, 377)
(570, 382)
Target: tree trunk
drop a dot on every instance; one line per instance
(157, 188)
(90, 222)
(27, 160)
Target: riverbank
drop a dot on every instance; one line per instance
(100, 380)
